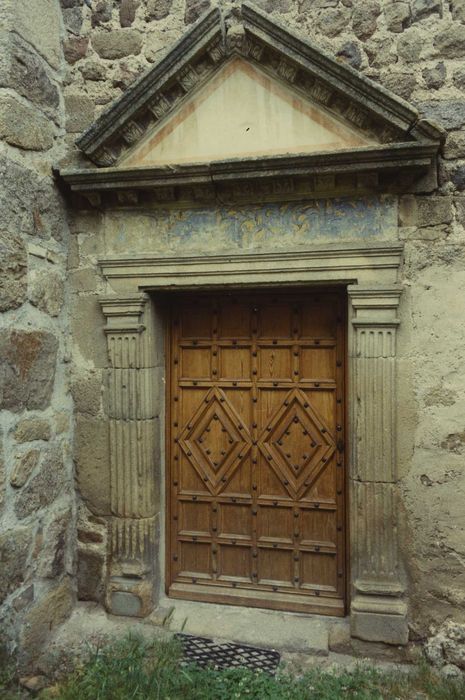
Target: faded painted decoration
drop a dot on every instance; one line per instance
(254, 226)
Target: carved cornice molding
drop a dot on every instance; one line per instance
(123, 313)
(269, 178)
(300, 63)
(342, 263)
(375, 306)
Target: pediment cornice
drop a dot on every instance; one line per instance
(212, 40)
(404, 141)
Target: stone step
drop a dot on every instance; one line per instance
(291, 632)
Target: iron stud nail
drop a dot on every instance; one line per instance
(255, 400)
(274, 545)
(189, 454)
(214, 372)
(317, 548)
(296, 558)
(275, 503)
(339, 400)
(317, 505)
(317, 593)
(222, 399)
(317, 342)
(275, 383)
(286, 403)
(194, 383)
(317, 384)
(339, 528)
(234, 584)
(275, 588)
(254, 487)
(306, 404)
(296, 515)
(205, 478)
(286, 483)
(176, 398)
(194, 580)
(339, 363)
(233, 499)
(296, 579)
(175, 517)
(234, 383)
(194, 498)
(340, 574)
(175, 557)
(339, 491)
(214, 529)
(254, 555)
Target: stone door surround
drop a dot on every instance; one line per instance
(371, 273)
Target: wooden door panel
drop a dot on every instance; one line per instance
(256, 475)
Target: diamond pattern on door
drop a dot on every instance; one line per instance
(297, 444)
(255, 482)
(215, 440)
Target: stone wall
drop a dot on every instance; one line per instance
(416, 49)
(36, 485)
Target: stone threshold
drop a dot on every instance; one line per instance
(272, 629)
(304, 641)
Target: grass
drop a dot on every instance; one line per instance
(134, 669)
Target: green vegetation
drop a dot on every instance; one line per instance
(134, 669)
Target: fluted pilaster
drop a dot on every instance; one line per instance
(134, 494)
(377, 613)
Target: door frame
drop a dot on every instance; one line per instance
(371, 274)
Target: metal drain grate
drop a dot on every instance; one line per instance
(206, 652)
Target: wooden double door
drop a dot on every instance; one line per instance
(256, 483)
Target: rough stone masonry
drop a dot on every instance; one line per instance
(61, 64)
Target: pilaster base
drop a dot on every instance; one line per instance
(131, 597)
(379, 619)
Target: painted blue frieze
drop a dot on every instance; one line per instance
(266, 226)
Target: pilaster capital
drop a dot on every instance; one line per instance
(375, 306)
(123, 313)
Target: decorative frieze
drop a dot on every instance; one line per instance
(132, 132)
(188, 78)
(287, 70)
(104, 157)
(160, 105)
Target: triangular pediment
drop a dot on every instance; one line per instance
(226, 76)
(243, 113)
(242, 99)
